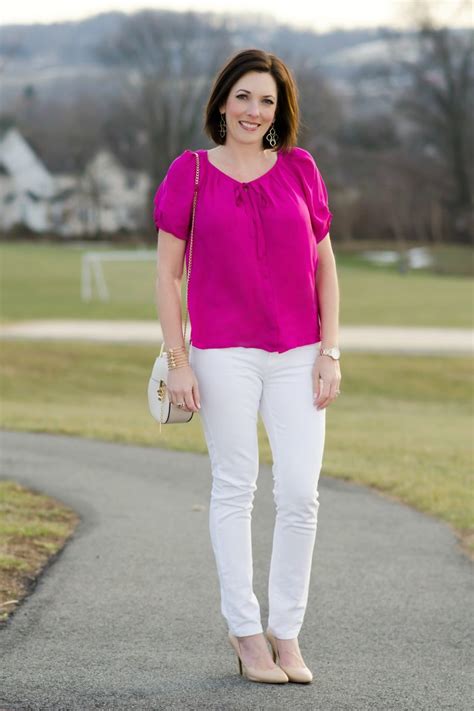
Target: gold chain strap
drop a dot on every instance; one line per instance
(188, 269)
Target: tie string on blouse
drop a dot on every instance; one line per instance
(256, 199)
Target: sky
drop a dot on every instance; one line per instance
(317, 15)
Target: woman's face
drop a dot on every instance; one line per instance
(252, 100)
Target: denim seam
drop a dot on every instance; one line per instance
(276, 458)
(215, 451)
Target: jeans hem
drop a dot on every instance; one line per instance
(284, 634)
(246, 630)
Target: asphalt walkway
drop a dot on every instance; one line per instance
(128, 616)
(376, 339)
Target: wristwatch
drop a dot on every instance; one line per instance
(333, 352)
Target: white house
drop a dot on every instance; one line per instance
(106, 197)
(26, 186)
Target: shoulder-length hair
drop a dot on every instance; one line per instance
(287, 119)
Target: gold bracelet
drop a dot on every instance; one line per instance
(177, 357)
(174, 367)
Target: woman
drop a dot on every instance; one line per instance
(264, 306)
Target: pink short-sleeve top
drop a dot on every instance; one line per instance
(255, 249)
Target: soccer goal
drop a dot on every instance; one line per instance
(92, 272)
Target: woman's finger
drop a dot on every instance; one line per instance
(323, 393)
(178, 398)
(316, 386)
(332, 392)
(331, 395)
(189, 401)
(197, 397)
(192, 399)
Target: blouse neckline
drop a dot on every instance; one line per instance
(240, 182)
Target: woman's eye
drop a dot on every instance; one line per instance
(244, 96)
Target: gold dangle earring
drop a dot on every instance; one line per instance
(222, 127)
(272, 136)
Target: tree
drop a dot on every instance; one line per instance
(439, 104)
(166, 61)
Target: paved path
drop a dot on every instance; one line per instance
(128, 616)
(377, 339)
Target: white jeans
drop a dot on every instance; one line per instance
(235, 384)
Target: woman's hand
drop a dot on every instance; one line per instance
(183, 387)
(326, 381)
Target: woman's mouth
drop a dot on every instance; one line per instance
(249, 126)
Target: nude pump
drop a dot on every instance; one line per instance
(300, 675)
(268, 676)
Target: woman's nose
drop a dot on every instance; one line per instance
(253, 110)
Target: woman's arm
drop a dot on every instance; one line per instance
(169, 273)
(326, 371)
(328, 294)
(182, 383)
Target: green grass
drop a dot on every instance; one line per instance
(402, 424)
(9, 562)
(448, 259)
(33, 527)
(42, 281)
(32, 530)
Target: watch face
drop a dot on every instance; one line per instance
(333, 352)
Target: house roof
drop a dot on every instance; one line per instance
(19, 160)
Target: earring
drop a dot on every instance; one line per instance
(222, 127)
(272, 137)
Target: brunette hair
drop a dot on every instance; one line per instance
(286, 122)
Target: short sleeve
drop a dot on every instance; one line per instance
(173, 201)
(316, 193)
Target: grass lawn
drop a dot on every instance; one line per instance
(33, 529)
(402, 424)
(42, 281)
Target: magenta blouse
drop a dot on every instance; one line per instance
(255, 252)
